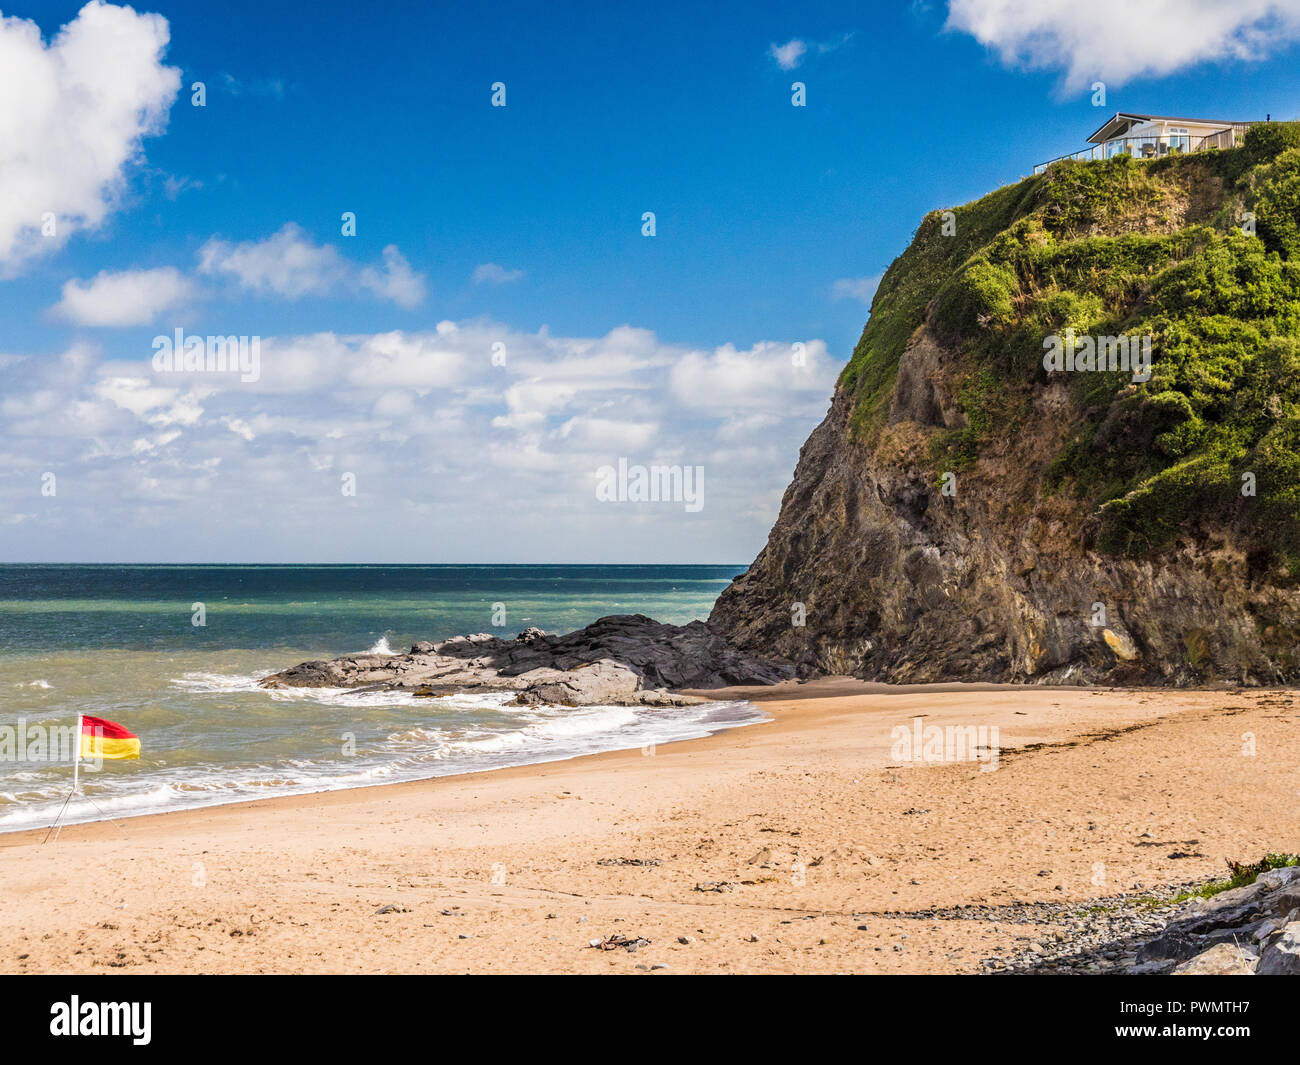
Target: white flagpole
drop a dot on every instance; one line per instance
(56, 828)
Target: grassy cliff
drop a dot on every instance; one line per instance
(1163, 248)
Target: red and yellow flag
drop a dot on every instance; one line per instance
(107, 739)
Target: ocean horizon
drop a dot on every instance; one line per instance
(174, 653)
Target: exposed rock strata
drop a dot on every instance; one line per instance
(625, 659)
(901, 583)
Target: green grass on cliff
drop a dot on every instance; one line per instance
(1111, 248)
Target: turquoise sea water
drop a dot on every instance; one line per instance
(120, 642)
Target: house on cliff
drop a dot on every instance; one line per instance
(1153, 136)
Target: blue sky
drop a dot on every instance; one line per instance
(518, 225)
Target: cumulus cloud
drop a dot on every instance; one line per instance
(73, 116)
(769, 377)
(129, 297)
(494, 274)
(472, 436)
(788, 55)
(291, 265)
(395, 281)
(286, 264)
(861, 289)
(1116, 41)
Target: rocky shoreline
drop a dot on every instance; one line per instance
(1248, 930)
(621, 660)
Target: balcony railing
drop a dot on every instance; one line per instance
(1156, 146)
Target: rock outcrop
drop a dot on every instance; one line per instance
(625, 659)
(1248, 930)
(895, 582)
(1253, 929)
(963, 514)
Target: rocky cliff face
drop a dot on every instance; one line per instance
(961, 514)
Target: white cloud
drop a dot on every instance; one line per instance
(834, 45)
(174, 185)
(131, 297)
(788, 55)
(1116, 41)
(239, 427)
(139, 395)
(272, 87)
(410, 360)
(460, 455)
(769, 377)
(73, 116)
(396, 282)
(494, 274)
(290, 264)
(608, 434)
(285, 264)
(861, 289)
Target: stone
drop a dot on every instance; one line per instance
(1266, 928)
(1246, 933)
(600, 682)
(1223, 959)
(621, 660)
(1170, 945)
(1282, 956)
(1121, 644)
(1284, 899)
(1276, 878)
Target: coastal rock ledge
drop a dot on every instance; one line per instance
(622, 660)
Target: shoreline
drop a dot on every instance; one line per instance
(786, 691)
(714, 728)
(790, 846)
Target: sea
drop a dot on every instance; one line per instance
(174, 654)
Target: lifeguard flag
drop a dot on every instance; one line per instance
(107, 739)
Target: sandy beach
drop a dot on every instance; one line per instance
(795, 845)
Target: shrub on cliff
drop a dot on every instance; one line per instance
(1110, 248)
(1265, 141)
(1277, 205)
